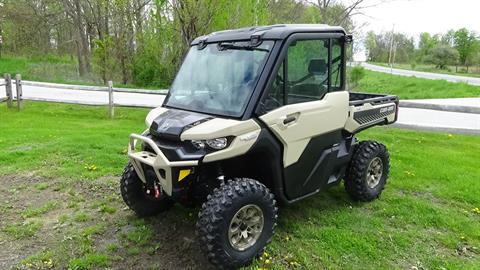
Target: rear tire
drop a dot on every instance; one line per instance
(236, 223)
(133, 194)
(368, 171)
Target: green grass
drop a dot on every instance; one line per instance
(140, 235)
(42, 260)
(34, 211)
(89, 261)
(414, 88)
(462, 71)
(41, 186)
(59, 140)
(23, 230)
(425, 218)
(81, 217)
(48, 68)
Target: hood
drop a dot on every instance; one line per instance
(171, 123)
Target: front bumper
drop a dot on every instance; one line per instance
(162, 167)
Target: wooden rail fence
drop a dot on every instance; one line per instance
(10, 98)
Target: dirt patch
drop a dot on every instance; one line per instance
(80, 218)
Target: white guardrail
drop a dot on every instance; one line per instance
(75, 94)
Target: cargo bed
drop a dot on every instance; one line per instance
(367, 110)
(358, 99)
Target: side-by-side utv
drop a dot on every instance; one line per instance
(255, 117)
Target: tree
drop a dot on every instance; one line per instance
(370, 43)
(443, 55)
(448, 38)
(425, 46)
(103, 61)
(378, 47)
(465, 43)
(144, 41)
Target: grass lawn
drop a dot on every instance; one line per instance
(61, 208)
(44, 69)
(53, 69)
(462, 71)
(414, 88)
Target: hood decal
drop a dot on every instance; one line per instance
(172, 123)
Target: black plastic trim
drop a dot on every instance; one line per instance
(269, 144)
(278, 31)
(324, 156)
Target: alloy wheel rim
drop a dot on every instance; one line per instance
(374, 172)
(246, 227)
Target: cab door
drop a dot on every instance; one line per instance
(306, 109)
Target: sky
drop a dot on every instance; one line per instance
(415, 16)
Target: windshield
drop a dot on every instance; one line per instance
(218, 79)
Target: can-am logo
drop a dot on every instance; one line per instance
(387, 109)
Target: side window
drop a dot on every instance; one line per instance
(303, 74)
(336, 67)
(307, 70)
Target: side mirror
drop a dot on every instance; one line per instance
(348, 38)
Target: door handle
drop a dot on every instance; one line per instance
(289, 119)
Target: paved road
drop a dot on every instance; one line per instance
(419, 74)
(408, 117)
(464, 105)
(469, 102)
(452, 122)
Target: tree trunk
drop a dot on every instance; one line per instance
(82, 39)
(81, 64)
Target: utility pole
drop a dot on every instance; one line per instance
(1, 31)
(391, 49)
(1, 40)
(394, 54)
(1, 43)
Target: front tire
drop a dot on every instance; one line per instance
(368, 171)
(134, 195)
(236, 223)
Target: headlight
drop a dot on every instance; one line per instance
(217, 144)
(198, 144)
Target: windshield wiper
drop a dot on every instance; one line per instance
(232, 46)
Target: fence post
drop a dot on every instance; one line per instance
(111, 108)
(8, 88)
(18, 82)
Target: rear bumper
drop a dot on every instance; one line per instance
(163, 168)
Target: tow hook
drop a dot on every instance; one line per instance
(157, 192)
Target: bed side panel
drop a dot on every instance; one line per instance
(368, 115)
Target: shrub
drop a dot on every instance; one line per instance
(443, 55)
(355, 75)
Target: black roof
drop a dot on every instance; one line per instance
(278, 31)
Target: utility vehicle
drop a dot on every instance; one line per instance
(255, 117)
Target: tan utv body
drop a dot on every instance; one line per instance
(256, 117)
